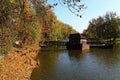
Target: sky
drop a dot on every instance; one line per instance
(95, 8)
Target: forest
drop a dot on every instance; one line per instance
(105, 27)
(29, 22)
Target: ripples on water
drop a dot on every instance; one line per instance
(61, 64)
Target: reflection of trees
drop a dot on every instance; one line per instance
(47, 59)
(117, 49)
(107, 57)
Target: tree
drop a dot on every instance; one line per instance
(92, 29)
(26, 20)
(16, 19)
(6, 13)
(61, 31)
(110, 26)
(106, 27)
(75, 6)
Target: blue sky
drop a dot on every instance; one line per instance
(95, 8)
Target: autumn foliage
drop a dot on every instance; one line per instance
(29, 22)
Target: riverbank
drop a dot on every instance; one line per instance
(18, 64)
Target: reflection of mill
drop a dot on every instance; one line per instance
(76, 54)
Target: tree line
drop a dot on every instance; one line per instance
(104, 27)
(29, 21)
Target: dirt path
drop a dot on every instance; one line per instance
(18, 64)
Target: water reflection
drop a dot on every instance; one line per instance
(61, 64)
(47, 65)
(74, 54)
(108, 57)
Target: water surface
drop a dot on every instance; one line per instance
(61, 64)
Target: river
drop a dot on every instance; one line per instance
(61, 64)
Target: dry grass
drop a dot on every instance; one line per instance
(18, 64)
